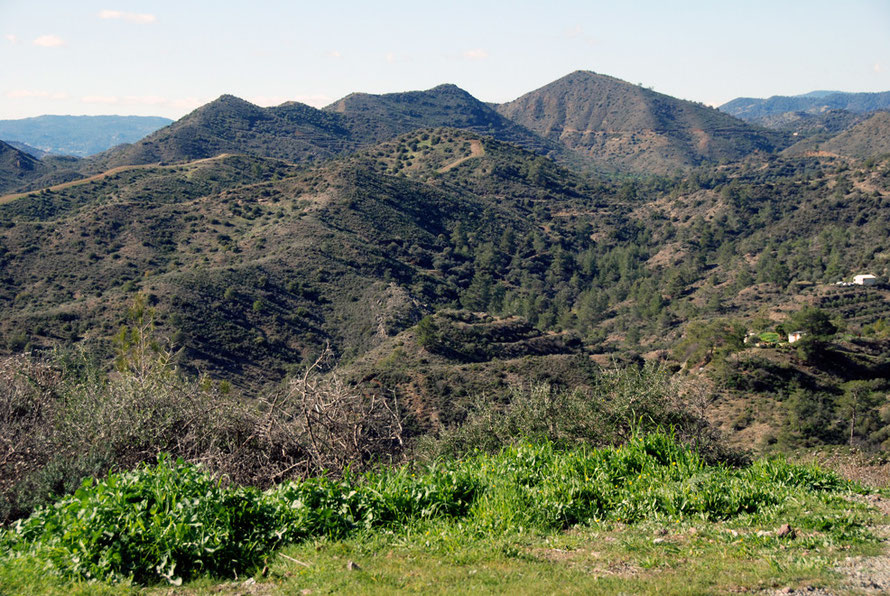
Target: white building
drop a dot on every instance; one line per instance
(865, 280)
(795, 336)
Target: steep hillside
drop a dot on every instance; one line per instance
(17, 167)
(869, 138)
(253, 279)
(451, 358)
(292, 131)
(751, 109)
(255, 264)
(79, 135)
(32, 151)
(375, 118)
(620, 125)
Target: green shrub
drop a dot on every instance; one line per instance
(168, 521)
(621, 403)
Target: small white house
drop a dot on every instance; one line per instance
(865, 280)
(795, 336)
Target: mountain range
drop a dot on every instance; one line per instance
(254, 262)
(445, 248)
(753, 109)
(584, 119)
(79, 136)
(298, 132)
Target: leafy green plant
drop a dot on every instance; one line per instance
(172, 520)
(168, 521)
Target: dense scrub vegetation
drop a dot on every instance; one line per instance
(624, 265)
(253, 266)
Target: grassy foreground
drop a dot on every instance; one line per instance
(648, 516)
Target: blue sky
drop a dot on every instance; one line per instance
(163, 57)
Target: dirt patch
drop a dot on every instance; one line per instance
(476, 150)
(861, 575)
(249, 587)
(669, 256)
(588, 560)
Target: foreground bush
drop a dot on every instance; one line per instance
(173, 521)
(151, 523)
(622, 402)
(63, 419)
(61, 422)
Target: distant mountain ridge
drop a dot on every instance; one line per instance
(32, 151)
(751, 109)
(806, 123)
(585, 119)
(79, 135)
(626, 126)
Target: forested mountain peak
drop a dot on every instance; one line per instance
(230, 124)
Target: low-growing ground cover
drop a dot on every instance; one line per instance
(770, 337)
(529, 518)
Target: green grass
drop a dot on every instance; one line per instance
(770, 337)
(687, 558)
(530, 518)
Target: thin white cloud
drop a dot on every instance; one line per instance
(106, 99)
(267, 100)
(11, 38)
(318, 100)
(130, 17)
(393, 58)
(475, 54)
(182, 103)
(573, 32)
(49, 41)
(577, 33)
(34, 94)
